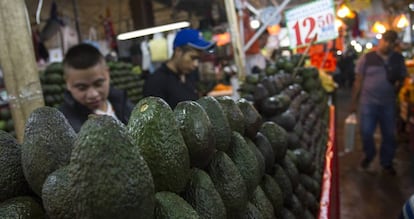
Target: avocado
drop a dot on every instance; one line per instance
(229, 183)
(12, 181)
(284, 182)
(169, 205)
(286, 120)
(273, 193)
(259, 156)
(313, 204)
(233, 113)
(263, 204)
(268, 84)
(197, 131)
(252, 79)
(277, 137)
(218, 119)
(252, 118)
(260, 94)
(301, 193)
(155, 131)
(266, 149)
(251, 212)
(21, 207)
(308, 215)
(305, 161)
(295, 206)
(47, 145)
(274, 105)
(56, 196)
(201, 194)
(291, 170)
(287, 214)
(109, 178)
(293, 141)
(245, 160)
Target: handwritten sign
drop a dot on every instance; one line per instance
(310, 19)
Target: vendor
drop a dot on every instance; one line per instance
(176, 79)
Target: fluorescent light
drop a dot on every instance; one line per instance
(152, 30)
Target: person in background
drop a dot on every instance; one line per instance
(175, 80)
(88, 88)
(376, 95)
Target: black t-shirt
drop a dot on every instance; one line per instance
(166, 84)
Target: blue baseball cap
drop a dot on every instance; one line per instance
(193, 38)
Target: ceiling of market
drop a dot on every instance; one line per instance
(90, 12)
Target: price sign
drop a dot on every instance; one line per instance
(307, 20)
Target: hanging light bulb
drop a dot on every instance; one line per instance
(378, 27)
(401, 21)
(343, 11)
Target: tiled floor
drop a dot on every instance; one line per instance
(373, 194)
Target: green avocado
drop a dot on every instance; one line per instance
(109, 178)
(228, 182)
(233, 113)
(21, 207)
(218, 119)
(197, 131)
(245, 160)
(252, 118)
(201, 194)
(156, 133)
(169, 205)
(56, 196)
(251, 212)
(273, 193)
(259, 156)
(266, 149)
(12, 181)
(277, 137)
(263, 204)
(284, 182)
(47, 145)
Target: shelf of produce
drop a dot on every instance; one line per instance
(329, 202)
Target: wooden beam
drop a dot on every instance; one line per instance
(18, 63)
(239, 56)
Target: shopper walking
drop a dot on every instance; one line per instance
(376, 75)
(176, 79)
(88, 88)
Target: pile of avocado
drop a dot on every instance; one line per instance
(212, 158)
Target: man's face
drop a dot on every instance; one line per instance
(385, 46)
(187, 60)
(90, 87)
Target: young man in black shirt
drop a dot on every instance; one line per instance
(175, 80)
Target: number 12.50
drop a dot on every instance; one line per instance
(309, 24)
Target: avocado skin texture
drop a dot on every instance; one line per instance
(264, 146)
(155, 132)
(12, 181)
(273, 193)
(251, 212)
(252, 118)
(201, 194)
(245, 160)
(47, 145)
(22, 207)
(283, 181)
(169, 205)
(218, 119)
(56, 195)
(233, 113)
(277, 137)
(228, 182)
(263, 204)
(109, 177)
(197, 131)
(259, 156)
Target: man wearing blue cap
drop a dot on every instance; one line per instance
(174, 81)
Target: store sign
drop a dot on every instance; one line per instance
(311, 20)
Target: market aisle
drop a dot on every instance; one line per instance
(370, 194)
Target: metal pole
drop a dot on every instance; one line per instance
(76, 13)
(264, 25)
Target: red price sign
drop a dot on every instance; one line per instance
(306, 21)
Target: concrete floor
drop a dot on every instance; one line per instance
(371, 194)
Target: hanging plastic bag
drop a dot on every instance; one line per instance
(349, 133)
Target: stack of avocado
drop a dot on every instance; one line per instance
(53, 84)
(122, 77)
(210, 158)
